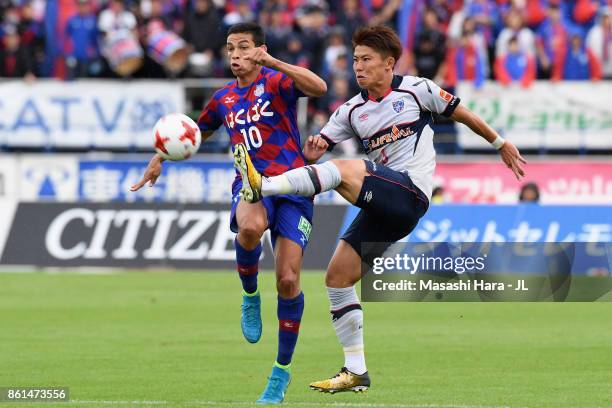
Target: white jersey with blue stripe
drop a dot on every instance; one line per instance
(395, 130)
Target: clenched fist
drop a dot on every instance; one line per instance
(315, 148)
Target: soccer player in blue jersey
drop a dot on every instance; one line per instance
(258, 110)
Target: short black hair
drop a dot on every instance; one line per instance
(259, 38)
(380, 38)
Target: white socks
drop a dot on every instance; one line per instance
(304, 181)
(347, 319)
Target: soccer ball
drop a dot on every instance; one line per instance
(177, 137)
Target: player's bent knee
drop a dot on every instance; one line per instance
(288, 286)
(251, 230)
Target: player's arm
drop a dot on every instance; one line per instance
(154, 168)
(305, 80)
(509, 153)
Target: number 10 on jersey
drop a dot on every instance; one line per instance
(253, 139)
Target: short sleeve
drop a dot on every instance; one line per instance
(433, 98)
(338, 128)
(209, 118)
(287, 89)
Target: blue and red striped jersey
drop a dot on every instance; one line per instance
(263, 116)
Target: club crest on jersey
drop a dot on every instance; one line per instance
(259, 90)
(398, 105)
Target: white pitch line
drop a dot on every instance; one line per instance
(287, 403)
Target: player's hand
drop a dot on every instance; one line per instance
(151, 173)
(315, 148)
(513, 159)
(260, 57)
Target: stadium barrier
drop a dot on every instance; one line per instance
(69, 178)
(197, 236)
(110, 114)
(566, 115)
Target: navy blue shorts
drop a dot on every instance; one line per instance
(289, 216)
(391, 206)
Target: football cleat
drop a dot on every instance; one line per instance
(251, 179)
(250, 320)
(277, 386)
(343, 381)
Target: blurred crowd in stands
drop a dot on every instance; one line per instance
(445, 40)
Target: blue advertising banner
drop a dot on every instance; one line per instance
(190, 181)
(521, 223)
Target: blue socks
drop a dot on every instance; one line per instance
(248, 266)
(289, 316)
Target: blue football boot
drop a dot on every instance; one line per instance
(277, 386)
(250, 321)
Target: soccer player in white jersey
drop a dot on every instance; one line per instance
(392, 118)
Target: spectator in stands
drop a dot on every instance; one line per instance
(15, 61)
(599, 42)
(485, 14)
(579, 62)
(202, 30)
(351, 18)
(466, 58)
(335, 47)
(339, 93)
(243, 13)
(294, 52)
(116, 18)
(535, 12)
(82, 35)
(551, 41)
(585, 11)
(384, 12)
(444, 10)
(530, 193)
(31, 32)
(311, 19)
(515, 66)
(118, 33)
(429, 47)
(277, 32)
(514, 28)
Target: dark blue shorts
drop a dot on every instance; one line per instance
(391, 206)
(289, 216)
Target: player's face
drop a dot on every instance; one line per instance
(238, 45)
(371, 68)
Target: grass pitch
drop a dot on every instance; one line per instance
(173, 339)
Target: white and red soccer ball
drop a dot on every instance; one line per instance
(177, 137)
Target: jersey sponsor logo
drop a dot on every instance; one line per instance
(253, 114)
(259, 90)
(363, 117)
(445, 95)
(305, 227)
(398, 105)
(396, 133)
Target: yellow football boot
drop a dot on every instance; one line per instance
(251, 179)
(343, 381)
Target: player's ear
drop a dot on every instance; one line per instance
(264, 47)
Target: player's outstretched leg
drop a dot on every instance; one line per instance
(251, 179)
(248, 264)
(304, 181)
